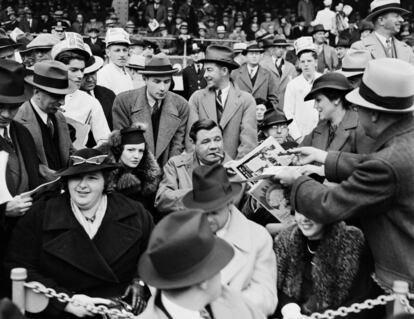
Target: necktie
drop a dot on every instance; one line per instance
(388, 48)
(50, 126)
(279, 64)
(6, 136)
(219, 106)
(251, 73)
(155, 119)
(204, 314)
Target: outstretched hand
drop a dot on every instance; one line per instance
(308, 155)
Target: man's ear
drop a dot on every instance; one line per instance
(203, 285)
(375, 116)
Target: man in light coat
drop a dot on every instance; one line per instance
(234, 110)
(381, 43)
(256, 80)
(165, 112)
(252, 270)
(183, 262)
(376, 187)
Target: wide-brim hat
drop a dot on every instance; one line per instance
(378, 7)
(87, 160)
(182, 251)
(12, 88)
(8, 43)
(50, 76)
(355, 62)
(239, 47)
(136, 62)
(281, 43)
(268, 43)
(93, 64)
(332, 80)
(159, 64)
(211, 189)
(318, 28)
(386, 86)
(43, 41)
(273, 117)
(252, 47)
(220, 54)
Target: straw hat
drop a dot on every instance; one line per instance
(378, 7)
(355, 62)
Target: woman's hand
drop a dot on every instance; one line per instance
(139, 295)
(307, 155)
(18, 206)
(81, 311)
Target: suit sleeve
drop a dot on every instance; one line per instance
(192, 117)
(274, 84)
(248, 128)
(120, 114)
(369, 189)
(262, 288)
(177, 145)
(289, 109)
(169, 195)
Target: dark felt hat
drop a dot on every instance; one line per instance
(12, 88)
(268, 43)
(318, 28)
(253, 47)
(87, 160)
(279, 42)
(333, 80)
(8, 43)
(273, 117)
(132, 135)
(211, 188)
(221, 55)
(183, 251)
(159, 65)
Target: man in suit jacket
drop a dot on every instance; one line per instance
(42, 117)
(327, 57)
(22, 171)
(376, 187)
(193, 74)
(221, 101)
(165, 112)
(252, 269)
(156, 11)
(381, 42)
(278, 65)
(183, 262)
(33, 22)
(104, 95)
(256, 80)
(97, 46)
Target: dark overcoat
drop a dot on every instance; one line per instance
(57, 252)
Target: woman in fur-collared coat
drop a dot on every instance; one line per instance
(139, 174)
(321, 267)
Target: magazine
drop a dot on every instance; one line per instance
(41, 189)
(79, 133)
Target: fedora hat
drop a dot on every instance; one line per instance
(332, 80)
(268, 43)
(136, 62)
(12, 88)
(239, 47)
(387, 85)
(51, 76)
(117, 36)
(211, 188)
(343, 43)
(93, 64)
(281, 42)
(355, 62)
(43, 41)
(6, 43)
(366, 25)
(253, 47)
(273, 117)
(159, 64)
(318, 28)
(378, 7)
(182, 251)
(221, 55)
(87, 160)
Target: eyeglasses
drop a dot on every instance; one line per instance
(96, 160)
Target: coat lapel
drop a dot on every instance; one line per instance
(259, 79)
(230, 107)
(141, 112)
(245, 78)
(169, 122)
(63, 133)
(209, 104)
(375, 47)
(350, 121)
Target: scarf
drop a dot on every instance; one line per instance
(91, 228)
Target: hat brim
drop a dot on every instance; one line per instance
(118, 43)
(29, 79)
(85, 168)
(372, 15)
(189, 201)
(149, 72)
(350, 74)
(355, 98)
(11, 46)
(255, 50)
(221, 254)
(230, 65)
(264, 125)
(16, 99)
(311, 94)
(99, 62)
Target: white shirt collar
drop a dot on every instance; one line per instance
(222, 232)
(382, 38)
(176, 311)
(224, 94)
(43, 115)
(151, 100)
(252, 68)
(2, 129)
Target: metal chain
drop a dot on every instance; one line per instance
(406, 303)
(354, 308)
(63, 297)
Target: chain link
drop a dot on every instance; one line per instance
(406, 303)
(354, 308)
(63, 297)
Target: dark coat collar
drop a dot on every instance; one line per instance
(396, 129)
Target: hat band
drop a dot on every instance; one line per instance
(389, 102)
(159, 68)
(353, 69)
(50, 82)
(211, 193)
(390, 5)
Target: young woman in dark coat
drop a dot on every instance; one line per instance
(139, 174)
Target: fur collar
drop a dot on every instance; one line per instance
(335, 265)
